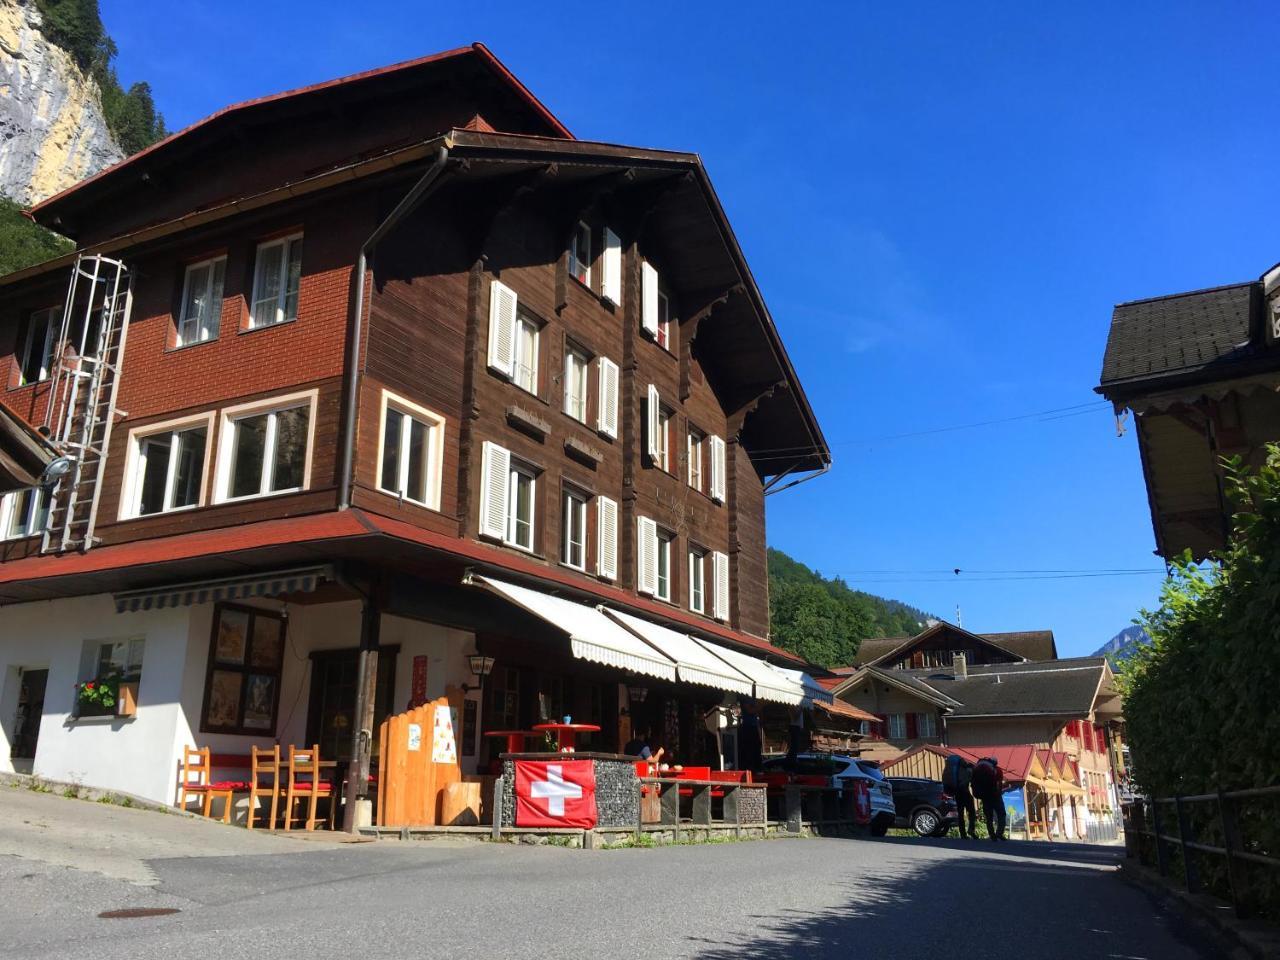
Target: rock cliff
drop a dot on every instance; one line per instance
(52, 130)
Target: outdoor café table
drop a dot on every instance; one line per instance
(567, 733)
(515, 738)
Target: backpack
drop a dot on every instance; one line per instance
(951, 774)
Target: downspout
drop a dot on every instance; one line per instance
(411, 199)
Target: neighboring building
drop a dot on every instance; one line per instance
(556, 387)
(1200, 372)
(1068, 706)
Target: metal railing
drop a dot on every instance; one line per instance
(1143, 811)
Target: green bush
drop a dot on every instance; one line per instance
(1200, 701)
(22, 242)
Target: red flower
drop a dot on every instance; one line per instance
(89, 685)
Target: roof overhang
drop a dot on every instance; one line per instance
(24, 453)
(929, 694)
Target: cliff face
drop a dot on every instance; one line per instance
(52, 131)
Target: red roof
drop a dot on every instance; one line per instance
(338, 525)
(485, 54)
(1014, 760)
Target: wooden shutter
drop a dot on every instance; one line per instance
(649, 299)
(607, 415)
(913, 726)
(611, 267)
(883, 720)
(607, 538)
(653, 410)
(495, 470)
(646, 555)
(502, 328)
(717, 447)
(720, 567)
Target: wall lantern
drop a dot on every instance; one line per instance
(481, 667)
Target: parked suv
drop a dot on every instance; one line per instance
(840, 770)
(923, 806)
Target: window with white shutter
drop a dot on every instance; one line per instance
(649, 299)
(607, 538)
(607, 415)
(495, 470)
(502, 328)
(646, 555)
(720, 601)
(653, 424)
(717, 447)
(611, 267)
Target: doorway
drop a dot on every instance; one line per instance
(331, 712)
(26, 727)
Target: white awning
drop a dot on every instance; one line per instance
(812, 689)
(592, 635)
(694, 663)
(769, 683)
(270, 584)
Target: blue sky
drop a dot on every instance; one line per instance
(941, 205)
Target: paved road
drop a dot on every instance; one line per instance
(893, 898)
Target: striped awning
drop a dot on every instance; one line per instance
(694, 662)
(269, 584)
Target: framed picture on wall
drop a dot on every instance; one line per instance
(242, 682)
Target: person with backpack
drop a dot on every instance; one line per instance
(987, 783)
(956, 776)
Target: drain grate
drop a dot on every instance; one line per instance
(135, 913)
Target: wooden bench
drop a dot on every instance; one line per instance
(700, 792)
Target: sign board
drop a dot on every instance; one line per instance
(444, 746)
(418, 688)
(415, 737)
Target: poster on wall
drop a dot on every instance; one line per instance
(1015, 811)
(233, 636)
(418, 687)
(444, 747)
(258, 704)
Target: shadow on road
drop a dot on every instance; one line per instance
(977, 899)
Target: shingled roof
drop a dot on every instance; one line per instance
(1182, 334)
(1060, 687)
(1029, 644)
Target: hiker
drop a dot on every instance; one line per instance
(987, 783)
(956, 776)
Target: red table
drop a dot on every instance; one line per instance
(567, 733)
(515, 738)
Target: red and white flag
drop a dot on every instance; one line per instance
(555, 793)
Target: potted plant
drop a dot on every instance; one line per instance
(98, 698)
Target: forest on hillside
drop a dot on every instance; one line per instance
(823, 619)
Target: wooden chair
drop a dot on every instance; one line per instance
(264, 780)
(195, 777)
(305, 783)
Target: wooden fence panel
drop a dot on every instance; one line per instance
(418, 757)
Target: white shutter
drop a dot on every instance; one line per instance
(653, 410)
(502, 328)
(495, 473)
(646, 555)
(611, 267)
(649, 299)
(607, 538)
(717, 468)
(720, 567)
(607, 416)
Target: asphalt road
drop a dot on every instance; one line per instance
(891, 898)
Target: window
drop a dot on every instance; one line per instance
(410, 453)
(526, 370)
(697, 581)
(927, 725)
(580, 254)
(663, 440)
(694, 453)
(275, 282)
(121, 658)
(242, 683)
(665, 321)
(575, 384)
(201, 301)
(266, 449)
(166, 469)
(23, 513)
(662, 589)
(37, 351)
(897, 727)
(573, 548)
(520, 505)
(657, 316)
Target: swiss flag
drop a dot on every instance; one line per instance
(555, 793)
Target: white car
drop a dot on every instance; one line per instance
(841, 769)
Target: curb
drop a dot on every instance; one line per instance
(1252, 937)
(78, 791)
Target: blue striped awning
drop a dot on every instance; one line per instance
(269, 584)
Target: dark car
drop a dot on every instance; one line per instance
(923, 806)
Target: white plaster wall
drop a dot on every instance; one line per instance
(133, 755)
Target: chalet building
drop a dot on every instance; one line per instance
(948, 687)
(1200, 372)
(381, 388)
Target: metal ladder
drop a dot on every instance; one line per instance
(82, 396)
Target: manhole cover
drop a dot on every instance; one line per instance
(135, 913)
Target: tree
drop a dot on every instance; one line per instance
(809, 621)
(22, 242)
